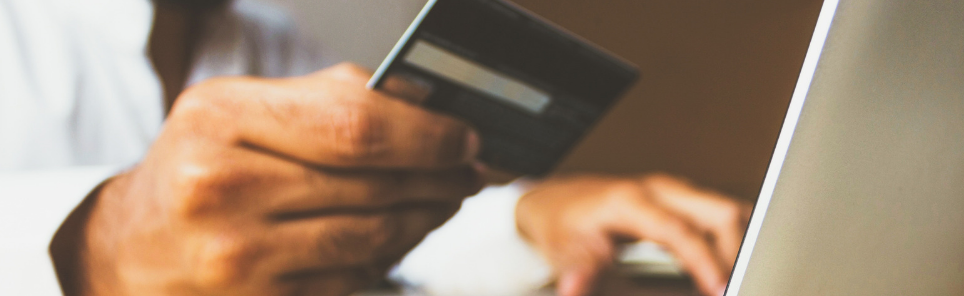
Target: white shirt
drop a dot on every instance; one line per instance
(80, 101)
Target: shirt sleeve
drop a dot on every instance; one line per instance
(33, 205)
(477, 252)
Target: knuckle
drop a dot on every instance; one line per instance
(201, 108)
(619, 193)
(204, 95)
(192, 105)
(225, 261)
(358, 133)
(197, 190)
(351, 71)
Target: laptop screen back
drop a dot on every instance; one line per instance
(869, 196)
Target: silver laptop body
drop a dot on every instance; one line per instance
(868, 197)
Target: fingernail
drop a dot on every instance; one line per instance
(472, 145)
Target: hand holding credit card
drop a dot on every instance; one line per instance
(531, 89)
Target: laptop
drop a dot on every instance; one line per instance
(865, 191)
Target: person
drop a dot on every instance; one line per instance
(146, 150)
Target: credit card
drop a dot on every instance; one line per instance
(530, 88)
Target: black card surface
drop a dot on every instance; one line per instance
(531, 89)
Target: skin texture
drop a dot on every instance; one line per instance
(302, 186)
(577, 223)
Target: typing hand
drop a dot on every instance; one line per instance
(577, 222)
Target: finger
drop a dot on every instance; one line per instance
(693, 250)
(325, 120)
(728, 238)
(321, 191)
(281, 188)
(239, 180)
(409, 90)
(344, 241)
(724, 218)
(681, 196)
(576, 282)
(580, 261)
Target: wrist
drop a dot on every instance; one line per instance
(69, 246)
(71, 249)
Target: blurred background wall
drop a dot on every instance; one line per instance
(716, 76)
(362, 31)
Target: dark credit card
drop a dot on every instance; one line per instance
(531, 89)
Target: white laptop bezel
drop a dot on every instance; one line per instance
(820, 32)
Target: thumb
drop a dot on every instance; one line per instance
(576, 282)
